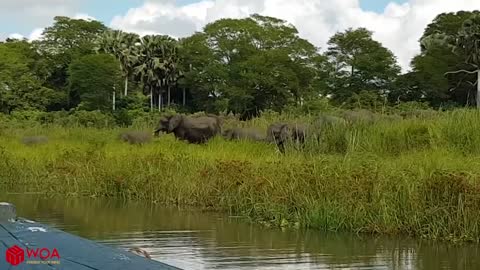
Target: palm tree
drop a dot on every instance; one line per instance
(123, 46)
(172, 71)
(157, 65)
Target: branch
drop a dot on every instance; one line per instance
(462, 70)
(473, 84)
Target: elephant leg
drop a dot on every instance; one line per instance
(281, 147)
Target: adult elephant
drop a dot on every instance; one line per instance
(359, 117)
(325, 120)
(196, 130)
(243, 134)
(281, 133)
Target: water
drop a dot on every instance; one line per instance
(192, 239)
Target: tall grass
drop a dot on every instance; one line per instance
(416, 176)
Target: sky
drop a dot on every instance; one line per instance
(397, 24)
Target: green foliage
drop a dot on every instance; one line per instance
(61, 43)
(123, 46)
(157, 66)
(438, 57)
(20, 89)
(255, 64)
(361, 63)
(69, 38)
(411, 106)
(95, 119)
(310, 107)
(93, 79)
(241, 66)
(369, 100)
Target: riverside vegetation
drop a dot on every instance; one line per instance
(415, 176)
(67, 99)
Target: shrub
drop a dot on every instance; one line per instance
(92, 119)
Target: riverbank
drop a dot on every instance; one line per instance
(417, 177)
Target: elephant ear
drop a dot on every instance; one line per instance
(174, 122)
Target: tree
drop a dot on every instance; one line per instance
(67, 39)
(92, 79)
(437, 57)
(468, 46)
(205, 75)
(123, 46)
(156, 65)
(360, 63)
(407, 87)
(20, 88)
(248, 64)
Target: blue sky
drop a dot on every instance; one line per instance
(377, 5)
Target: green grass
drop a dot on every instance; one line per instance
(416, 176)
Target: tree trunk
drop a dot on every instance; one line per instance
(126, 85)
(151, 100)
(184, 97)
(168, 96)
(113, 100)
(478, 89)
(159, 102)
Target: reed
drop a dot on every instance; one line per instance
(417, 176)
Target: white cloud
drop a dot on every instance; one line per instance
(399, 27)
(83, 16)
(16, 36)
(36, 34)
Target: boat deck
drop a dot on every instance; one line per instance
(74, 252)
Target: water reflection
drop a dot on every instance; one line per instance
(197, 240)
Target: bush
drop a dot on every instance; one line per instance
(122, 117)
(92, 119)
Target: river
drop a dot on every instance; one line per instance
(192, 239)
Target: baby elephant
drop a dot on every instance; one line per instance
(136, 137)
(243, 134)
(281, 133)
(34, 140)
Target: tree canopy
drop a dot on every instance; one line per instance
(360, 64)
(244, 66)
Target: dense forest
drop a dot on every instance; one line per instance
(241, 66)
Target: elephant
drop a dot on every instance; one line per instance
(34, 140)
(197, 130)
(243, 134)
(422, 114)
(359, 116)
(323, 123)
(136, 137)
(328, 121)
(281, 133)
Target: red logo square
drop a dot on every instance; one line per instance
(15, 255)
